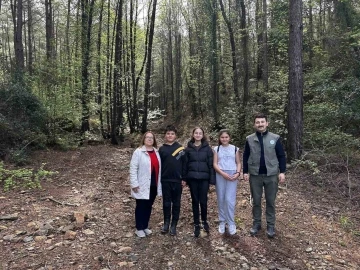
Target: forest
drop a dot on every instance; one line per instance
(81, 80)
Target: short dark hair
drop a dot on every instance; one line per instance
(204, 138)
(260, 115)
(170, 128)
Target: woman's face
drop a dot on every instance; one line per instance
(149, 139)
(198, 134)
(224, 138)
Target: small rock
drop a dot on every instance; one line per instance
(3, 228)
(9, 237)
(79, 219)
(70, 227)
(188, 244)
(20, 233)
(170, 263)
(122, 264)
(70, 235)
(309, 249)
(221, 260)
(40, 238)
(328, 257)
(28, 239)
(131, 264)
(88, 232)
(33, 225)
(10, 217)
(129, 234)
(183, 257)
(113, 244)
(125, 249)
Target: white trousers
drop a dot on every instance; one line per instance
(226, 196)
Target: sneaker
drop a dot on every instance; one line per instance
(232, 229)
(147, 232)
(140, 233)
(206, 226)
(222, 227)
(255, 229)
(196, 230)
(270, 231)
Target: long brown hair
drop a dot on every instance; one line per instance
(204, 138)
(143, 139)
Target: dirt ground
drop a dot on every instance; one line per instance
(316, 229)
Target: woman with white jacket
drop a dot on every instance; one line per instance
(145, 168)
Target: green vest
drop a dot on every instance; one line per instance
(271, 160)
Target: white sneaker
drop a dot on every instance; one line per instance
(232, 229)
(147, 231)
(222, 227)
(140, 233)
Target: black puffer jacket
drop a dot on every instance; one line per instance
(198, 162)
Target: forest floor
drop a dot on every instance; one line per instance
(316, 228)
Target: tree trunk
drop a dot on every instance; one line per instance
(99, 81)
(117, 86)
(86, 22)
(295, 102)
(50, 42)
(17, 11)
(235, 70)
(148, 68)
(30, 40)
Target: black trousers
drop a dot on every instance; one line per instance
(143, 210)
(199, 195)
(171, 192)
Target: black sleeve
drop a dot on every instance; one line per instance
(280, 153)
(211, 166)
(184, 165)
(246, 156)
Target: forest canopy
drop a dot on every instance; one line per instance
(73, 70)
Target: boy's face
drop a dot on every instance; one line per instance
(170, 137)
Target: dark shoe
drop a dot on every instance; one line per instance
(173, 228)
(165, 228)
(206, 226)
(270, 231)
(255, 229)
(196, 230)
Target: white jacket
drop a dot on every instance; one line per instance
(140, 173)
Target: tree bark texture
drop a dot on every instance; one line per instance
(295, 97)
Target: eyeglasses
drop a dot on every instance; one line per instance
(147, 137)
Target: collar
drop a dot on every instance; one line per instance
(259, 134)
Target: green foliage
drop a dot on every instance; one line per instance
(22, 120)
(25, 178)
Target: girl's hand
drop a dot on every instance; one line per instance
(226, 176)
(136, 189)
(235, 176)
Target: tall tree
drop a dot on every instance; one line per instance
(117, 111)
(295, 97)
(49, 26)
(148, 68)
(86, 25)
(17, 11)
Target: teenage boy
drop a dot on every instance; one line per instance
(264, 165)
(171, 154)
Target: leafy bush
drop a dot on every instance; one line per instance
(25, 178)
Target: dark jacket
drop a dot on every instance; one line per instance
(198, 163)
(172, 157)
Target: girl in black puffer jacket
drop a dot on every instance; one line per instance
(199, 173)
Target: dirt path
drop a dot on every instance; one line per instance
(314, 230)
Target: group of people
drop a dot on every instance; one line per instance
(165, 172)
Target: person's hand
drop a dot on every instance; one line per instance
(235, 176)
(246, 177)
(136, 189)
(282, 178)
(183, 183)
(227, 177)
